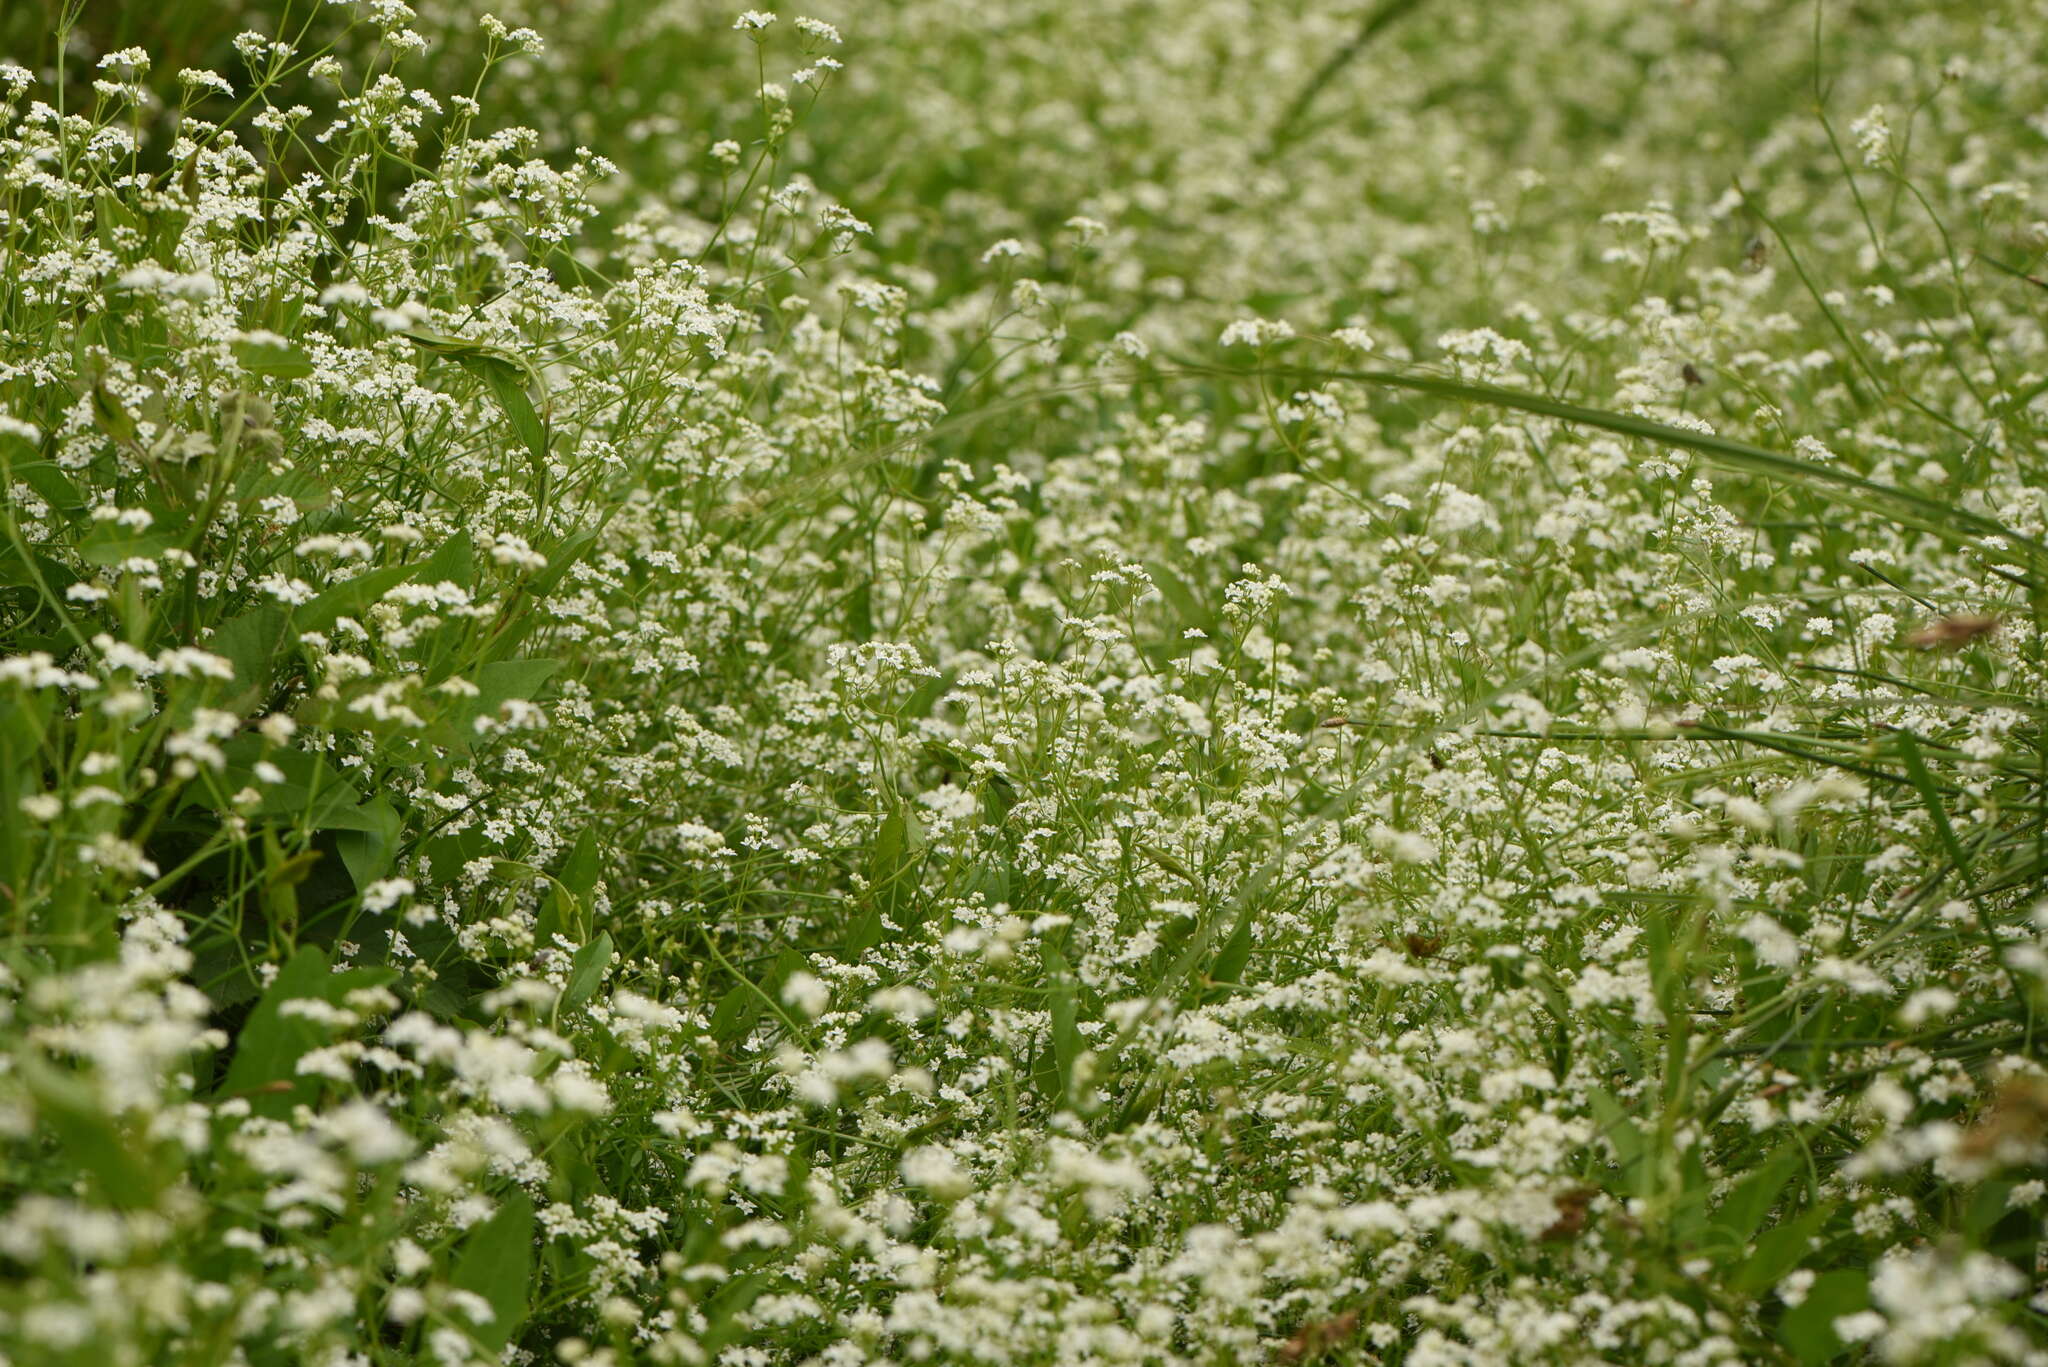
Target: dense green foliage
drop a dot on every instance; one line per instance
(1169, 681)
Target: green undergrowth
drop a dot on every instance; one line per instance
(1022, 684)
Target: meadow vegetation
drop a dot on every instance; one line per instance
(1184, 682)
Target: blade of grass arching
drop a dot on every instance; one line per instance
(2014, 271)
(1820, 302)
(1946, 521)
(1813, 291)
(1377, 19)
(1945, 831)
(1978, 332)
(1782, 743)
(1923, 783)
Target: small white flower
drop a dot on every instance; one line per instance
(1256, 332)
(807, 993)
(386, 893)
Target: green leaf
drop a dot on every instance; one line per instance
(70, 1110)
(586, 972)
(501, 681)
(496, 1263)
(48, 479)
(268, 354)
(112, 416)
(576, 881)
(1742, 1214)
(255, 643)
(892, 882)
(24, 718)
(1066, 1037)
(573, 548)
(368, 839)
(735, 1014)
(349, 599)
(450, 561)
(739, 1008)
(1808, 1328)
(1228, 967)
(270, 1043)
(1665, 981)
(313, 794)
(109, 544)
(1985, 1207)
(508, 386)
(1937, 809)
(508, 376)
(1780, 1249)
(1619, 1129)
(581, 868)
(497, 683)
(920, 703)
(1190, 609)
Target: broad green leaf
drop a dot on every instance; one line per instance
(368, 839)
(577, 879)
(24, 718)
(735, 1014)
(496, 1263)
(314, 794)
(349, 598)
(48, 479)
(740, 1007)
(1066, 1038)
(580, 870)
(1937, 806)
(450, 561)
(1187, 607)
(1808, 1328)
(255, 643)
(113, 417)
(270, 1043)
(70, 1110)
(1619, 1129)
(1990, 1203)
(573, 548)
(1230, 961)
(1742, 1214)
(892, 882)
(109, 544)
(501, 681)
(586, 972)
(508, 376)
(1779, 1249)
(920, 703)
(497, 683)
(268, 354)
(508, 386)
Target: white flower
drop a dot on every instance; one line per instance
(386, 893)
(807, 993)
(1872, 134)
(935, 1170)
(1256, 332)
